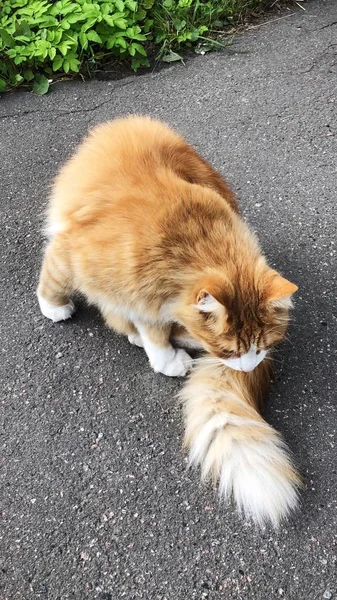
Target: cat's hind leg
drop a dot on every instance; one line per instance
(163, 358)
(123, 326)
(55, 283)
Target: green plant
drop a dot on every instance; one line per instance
(43, 39)
(39, 38)
(183, 23)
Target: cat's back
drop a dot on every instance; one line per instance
(118, 156)
(119, 150)
(136, 161)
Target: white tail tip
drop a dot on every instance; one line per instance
(252, 465)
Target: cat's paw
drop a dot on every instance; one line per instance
(135, 339)
(173, 363)
(56, 313)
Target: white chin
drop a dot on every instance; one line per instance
(246, 362)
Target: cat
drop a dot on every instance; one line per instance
(150, 233)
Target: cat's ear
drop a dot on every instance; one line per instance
(279, 289)
(206, 302)
(211, 293)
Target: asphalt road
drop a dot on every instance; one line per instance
(97, 500)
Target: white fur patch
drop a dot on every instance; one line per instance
(123, 311)
(247, 362)
(53, 229)
(285, 302)
(56, 313)
(169, 361)
(135, 340)
(255, 470)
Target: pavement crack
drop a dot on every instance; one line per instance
(328, 25)
(319, 57)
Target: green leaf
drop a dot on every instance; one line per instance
(23, 29)
(131, 5)
(28, 75)
(7, 39)
(74, 64)
(69, 9)
(121, 23)
(52, 53)
(105, 8)
(139, 36)
(171, 57)
(139, 48)
(41, 85)
(57, 62)
(119, 5)
(94, 37)
(66, 66)
(83, 40)
(120, 41)
(194, 35)
(22, 38)
(89, 23)
(178, 24)
(58, 36)
(48, 21)
(139, 62)
(19, 59)
(64, 47)
(65, 24)
(75, 18)
(148, 4)
(3, 85)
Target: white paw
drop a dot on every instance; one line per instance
(56, 313)
(173, 363)
(135, 339)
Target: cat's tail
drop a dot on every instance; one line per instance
(233, 445)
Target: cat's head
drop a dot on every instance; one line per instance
(240, 319)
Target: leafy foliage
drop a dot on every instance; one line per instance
(40, 39)
(47, 37)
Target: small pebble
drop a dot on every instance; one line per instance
(41, 589)
(327, 595)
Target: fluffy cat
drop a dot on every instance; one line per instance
(150, 233)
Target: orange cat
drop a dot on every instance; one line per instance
(150, 233)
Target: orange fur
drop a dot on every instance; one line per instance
(140, 221)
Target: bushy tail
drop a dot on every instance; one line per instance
(233, 445)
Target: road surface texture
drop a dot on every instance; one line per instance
(97, 499)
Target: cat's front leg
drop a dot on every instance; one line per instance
(163, 358)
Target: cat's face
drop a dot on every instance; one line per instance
(239, 324)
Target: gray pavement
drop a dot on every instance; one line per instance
(97, 500)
